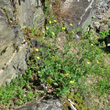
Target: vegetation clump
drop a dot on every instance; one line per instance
(59, 70)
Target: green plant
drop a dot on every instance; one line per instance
(33, 28)
(103, 34)
(19, 102)
(64, 74)
(30, 96)
(78, 99)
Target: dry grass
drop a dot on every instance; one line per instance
(56, 10)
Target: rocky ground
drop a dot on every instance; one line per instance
(101, 22)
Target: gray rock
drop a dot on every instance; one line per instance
(14, 52)
(44, 104)
(108, 23)
(30, 12)
(5, 4)
(78, 13)
(99, 16)
(102, 7)
(103, 27)
(105, 5)
(100, 3)
(88, 103)
(51, 104)
(97, 12)
(77, 37)
(96, 25)
(108, 4)
(35, 43)
(102, 10)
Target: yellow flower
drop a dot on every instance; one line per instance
(71, 82)
(55, 21)
(50, 22)
(38, 58)
(67, 74)
(72, 32)
(43, 31)
(53, 33)
(52, 56)
(38, 71)
(47, 28)
(88, 63)
(97, 61)
(91, 44)
(37, 50)
(71, 24)
(63, 28)
(97, 37)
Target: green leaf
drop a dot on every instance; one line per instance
(55, 84)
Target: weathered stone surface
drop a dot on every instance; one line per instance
(79, 12)
(96, 25)
(101, 21)
(5, 4)
(103, 27)
(14, 52)
(28, 11)
(44, 104)
(35, 43)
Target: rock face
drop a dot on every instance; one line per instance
(44, 104)
(14, 51)
(79, 12)
(30, 12)
(6, 5)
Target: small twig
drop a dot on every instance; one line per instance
(59, 47)
(72, 104)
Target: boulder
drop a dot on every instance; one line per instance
(47, 103)
(14, 51)
(35, 43)
(96, 25)
(79, 12)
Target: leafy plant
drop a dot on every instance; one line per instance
(64, 74)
